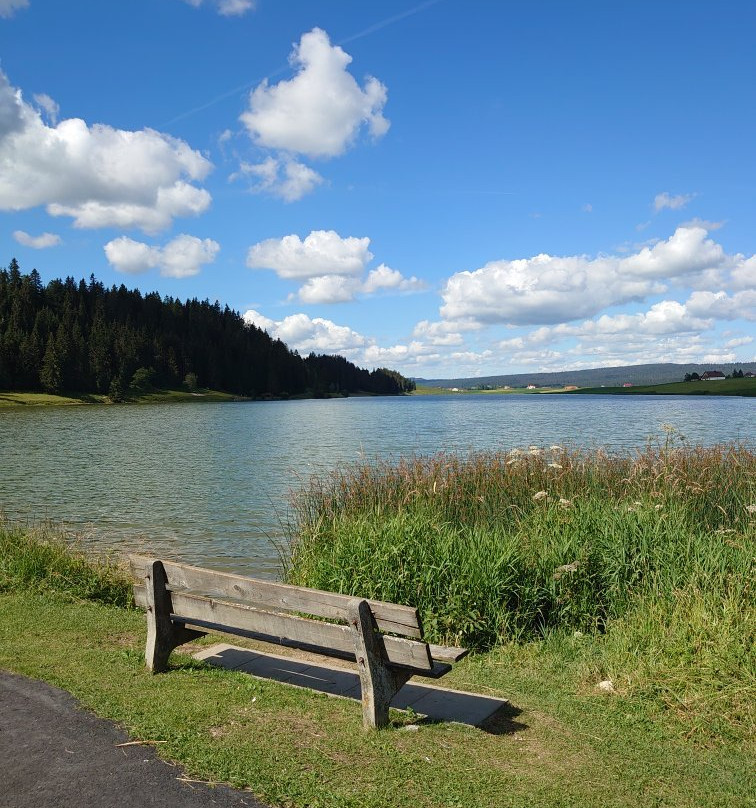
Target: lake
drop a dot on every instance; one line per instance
(210, 483)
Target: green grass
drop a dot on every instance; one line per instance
(20, 399)
(560, 743)
(724, 387)
(39, 559)
(650, 556)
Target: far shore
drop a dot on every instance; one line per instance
(725, 387)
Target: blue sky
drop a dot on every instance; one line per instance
(447, 188)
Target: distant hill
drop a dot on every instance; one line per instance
(595, 377)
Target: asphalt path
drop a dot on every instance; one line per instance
(54, 753)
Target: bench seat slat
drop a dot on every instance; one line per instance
(399, 651)
(390, 617)
(447, 653)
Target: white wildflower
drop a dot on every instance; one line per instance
(751, 508)
(538, 496)
(554, 466)
(565, 503)
(607, 686)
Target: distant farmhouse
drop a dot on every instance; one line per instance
(712, 376)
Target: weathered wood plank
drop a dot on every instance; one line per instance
(390, 617)
(379, 682)
(447, 653)
(300, 630)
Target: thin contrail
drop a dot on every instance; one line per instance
(283, 68)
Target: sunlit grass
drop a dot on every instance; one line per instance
(650, 556)
(40, 559)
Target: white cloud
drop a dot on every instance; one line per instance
(307, 334)
(181, 257)
(383, 277)
(330, 266)
(36, 242)
(738, 341)
(284, 178)
(235, 8)
(228, 8)
(100, 176)
(587, 208)
(49, 105)
(739, 306)
(548, 289)
(323, 252)
(340, 289)
(743, 275)
(328, 289)
(320, 111)
(443, 332)
(665, 200)
(130, 256)
(9, 7)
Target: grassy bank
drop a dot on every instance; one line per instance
(20, 399)
(562, 742)
(724, 387)
(647, 559)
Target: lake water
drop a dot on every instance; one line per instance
(210, 483)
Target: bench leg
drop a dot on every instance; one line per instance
(379, 682)
(163, 635)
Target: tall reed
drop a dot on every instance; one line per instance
(499, 546)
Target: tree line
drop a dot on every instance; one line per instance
(69, 337)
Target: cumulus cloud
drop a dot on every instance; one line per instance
(666, 200)
(385, 278)
(36, 242)
(228, 8)
(9, 7)
(285, 178)
(338, 289)
(181, 257)
(98, 175)
(738, 306)
(323, 252)
(328, 289)
(332, 267)
(49, 105)
(307, 334)
(549, 289)
(320, 111)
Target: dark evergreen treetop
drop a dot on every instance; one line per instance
(84, 338)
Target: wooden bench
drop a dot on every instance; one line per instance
(385, 639)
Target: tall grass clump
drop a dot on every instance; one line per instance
(499, 546)
(39, 559)
(641, 565)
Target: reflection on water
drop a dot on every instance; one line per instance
(210, 483)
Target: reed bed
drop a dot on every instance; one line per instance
(638, 568)
(499, 546)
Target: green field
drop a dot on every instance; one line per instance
(724, 387)
(672, 741)
(15, 399)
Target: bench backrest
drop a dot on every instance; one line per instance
(202, 597)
